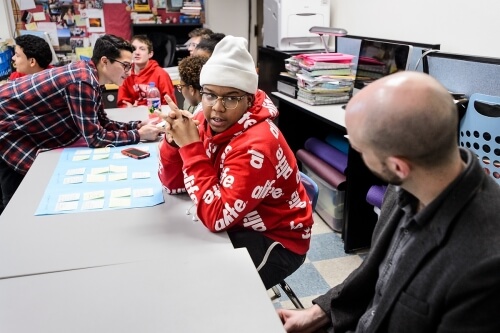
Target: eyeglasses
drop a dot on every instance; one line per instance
(126, 65)
(229, 102)
(180, 86)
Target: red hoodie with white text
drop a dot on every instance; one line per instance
(135, 87)
(244, 177)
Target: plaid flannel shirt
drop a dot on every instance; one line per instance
(54, 108)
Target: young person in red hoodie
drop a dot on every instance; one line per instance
(237, 167)
(134, 90)
(32, 54)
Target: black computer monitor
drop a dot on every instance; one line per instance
(378, 59)
(350, 44)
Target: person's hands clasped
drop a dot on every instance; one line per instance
(180, 127)
(149, 132)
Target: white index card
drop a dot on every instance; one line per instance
(68, 197)
(77, 171)
(93, 204)
(62, 206)
(93, 195)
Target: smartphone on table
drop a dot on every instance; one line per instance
(135, 153)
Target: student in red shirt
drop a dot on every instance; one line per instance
(32, 54)
(134, 90)
(237, 167)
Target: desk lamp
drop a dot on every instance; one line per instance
(327, 31)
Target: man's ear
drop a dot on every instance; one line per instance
(32, 62)
(400, 166)
(104, 60)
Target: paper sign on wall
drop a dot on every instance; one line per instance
(39, 16)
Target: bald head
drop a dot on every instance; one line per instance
(407, 114)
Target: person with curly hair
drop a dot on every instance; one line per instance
(32, 54)
(189, 87)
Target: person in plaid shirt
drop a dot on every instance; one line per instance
(56, 107)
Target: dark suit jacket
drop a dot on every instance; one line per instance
(448, 280)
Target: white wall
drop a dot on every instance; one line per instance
(460, 26)
(7, 25)
(231, 18)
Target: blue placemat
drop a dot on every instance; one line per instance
(88, 179)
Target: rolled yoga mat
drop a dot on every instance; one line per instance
(329, 174)
(375, 195)
(338, 142)
(327, 153)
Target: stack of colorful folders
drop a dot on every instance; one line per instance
(323, 78)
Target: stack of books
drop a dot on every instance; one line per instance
(287, 84)
(191, 12)
(324, 78)
(144, 18)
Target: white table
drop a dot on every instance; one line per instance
(333, 113)
(150, 269)
(207, 293)
(33, 244)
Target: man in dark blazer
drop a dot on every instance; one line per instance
(434, 265)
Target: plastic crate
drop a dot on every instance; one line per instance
(479, 132)
(330, 206)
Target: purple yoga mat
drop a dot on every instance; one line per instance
(375, 195)
(322, 169)
(327, 153)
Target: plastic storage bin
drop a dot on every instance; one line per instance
(330, 206)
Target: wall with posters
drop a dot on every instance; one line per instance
(77, 23)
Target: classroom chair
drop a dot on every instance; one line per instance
(313, 193)
(163, 48)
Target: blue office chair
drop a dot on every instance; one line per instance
(313, 193)
(311, 189)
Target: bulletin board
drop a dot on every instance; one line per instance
(77, 23)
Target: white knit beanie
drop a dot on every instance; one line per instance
(231, 65)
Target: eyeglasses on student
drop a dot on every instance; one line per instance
(229, 102)
(126, 65)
